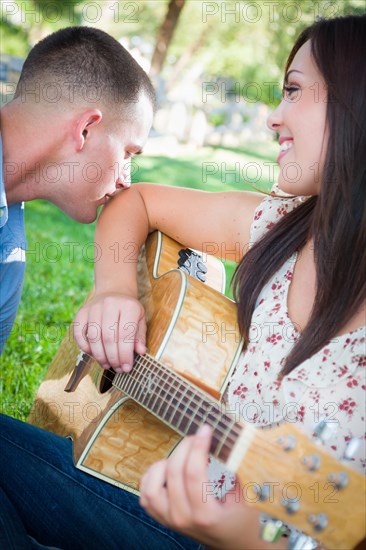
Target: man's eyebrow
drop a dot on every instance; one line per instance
(292, 71)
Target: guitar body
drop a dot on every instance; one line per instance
(194, 345)
(192, 330)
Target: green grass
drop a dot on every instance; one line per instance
(59, 270)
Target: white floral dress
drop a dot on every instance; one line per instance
(329, 386)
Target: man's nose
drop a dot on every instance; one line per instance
(124, 178)
(122, 183)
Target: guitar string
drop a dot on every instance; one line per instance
(194, 401)
(173, 389)
(183, 425)
(129, 386)
(234, 428)
(228, 427)
(150, 361)
(265, 451)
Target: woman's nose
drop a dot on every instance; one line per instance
(274, 119)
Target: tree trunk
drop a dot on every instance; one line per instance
(165, 35)
(185, 59)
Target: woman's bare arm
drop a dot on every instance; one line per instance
(215, 222)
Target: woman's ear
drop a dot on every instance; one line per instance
(85, 122)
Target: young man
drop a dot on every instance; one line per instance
(82, 108)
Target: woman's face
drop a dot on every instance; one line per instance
(300, 121)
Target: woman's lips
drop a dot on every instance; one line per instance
(286, 145)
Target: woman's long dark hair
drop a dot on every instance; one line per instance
(336, 218)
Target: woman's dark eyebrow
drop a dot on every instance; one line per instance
(289, 72)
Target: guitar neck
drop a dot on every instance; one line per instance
(282, 471)
(178, 403)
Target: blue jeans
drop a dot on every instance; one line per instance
(46, 502)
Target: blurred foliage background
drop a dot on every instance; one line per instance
(244, 41)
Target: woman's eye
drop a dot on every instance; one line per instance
(290, 92)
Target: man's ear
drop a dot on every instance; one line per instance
(85, 122)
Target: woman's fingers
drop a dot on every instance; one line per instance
(175, 492)
(154, 496)
(112, 328)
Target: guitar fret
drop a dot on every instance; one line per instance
(164, 393)
(167, 403)
(179, 395)
(175, 410)
(160, 399)
(128, 385)
(222, 448)
(183, 416)
(144, 374)
(157, 396)
(132, 385)
(190, 419)
(122, 382)
(146, 388)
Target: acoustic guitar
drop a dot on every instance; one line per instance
(122, 423)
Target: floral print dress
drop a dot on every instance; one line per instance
(330, 386)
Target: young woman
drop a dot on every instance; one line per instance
(302, 281)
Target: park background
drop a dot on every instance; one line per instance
(217, 68)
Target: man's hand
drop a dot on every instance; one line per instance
(111, 327)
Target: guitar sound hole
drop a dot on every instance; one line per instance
(106, 380)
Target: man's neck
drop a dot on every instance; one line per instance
(23, 154)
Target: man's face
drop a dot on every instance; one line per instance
(103, 165)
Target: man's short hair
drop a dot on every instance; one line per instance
(83, 64)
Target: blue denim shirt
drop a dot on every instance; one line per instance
(12, 258)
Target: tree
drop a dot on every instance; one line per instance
(165, 35)
(38, 18)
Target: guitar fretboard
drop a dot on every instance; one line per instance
(179, 404)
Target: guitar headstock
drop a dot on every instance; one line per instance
(294, 479)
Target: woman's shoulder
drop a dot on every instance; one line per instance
(271, 209)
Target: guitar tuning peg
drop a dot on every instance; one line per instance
(339, 479)
(312, 462)
(202, 267)
(318, 521)
(291, 505)
(300, 541)
(325, 430)
(184, 253)
(351, 448)
(263, 491)
(287, 443)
